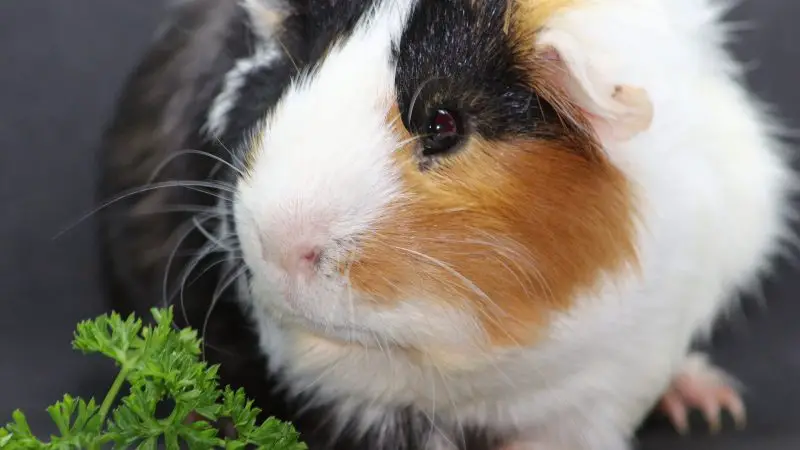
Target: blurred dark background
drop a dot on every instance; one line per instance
(62, 63)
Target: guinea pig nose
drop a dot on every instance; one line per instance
(309, 256)
(301, 260)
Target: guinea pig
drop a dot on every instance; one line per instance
(423, 219)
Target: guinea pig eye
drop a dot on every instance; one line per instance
(443, 132)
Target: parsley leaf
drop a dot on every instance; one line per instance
(157, 363)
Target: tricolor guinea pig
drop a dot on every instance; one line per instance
(513, 216)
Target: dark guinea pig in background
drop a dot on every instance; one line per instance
(436, 224)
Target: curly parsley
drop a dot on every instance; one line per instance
(158, 363)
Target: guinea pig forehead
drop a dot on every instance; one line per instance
(457, 54)
(349, 68)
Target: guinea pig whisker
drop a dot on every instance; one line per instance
(402, 144)
(183, 231)
(396, 118)
(417, 93)
(434, 427)
(438, 370)
(208, 235)
(391, 283)
(191, 185)
(225, 281)
(460, 284)
(432, 418)
(501, 254)
(234, 157)
(529, 269)
(206, 343)
(383, 351)
(195, 209)
(233, 251)
(180, 153)
(499, 258)
(487, 357)
(466, 281)
(206, 250)
(350, 304)
(208, 267)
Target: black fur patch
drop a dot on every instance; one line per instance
(454, 54)
(333, 20)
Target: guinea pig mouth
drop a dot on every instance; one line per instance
(343, 334)
(349, 334)
(291, 307)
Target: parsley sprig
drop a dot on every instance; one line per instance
(159, 363)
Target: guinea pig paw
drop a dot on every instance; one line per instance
(701, 385)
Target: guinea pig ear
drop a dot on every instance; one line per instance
(616, 110)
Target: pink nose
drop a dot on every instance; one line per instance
(301, 260)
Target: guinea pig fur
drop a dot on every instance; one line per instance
(511, 216)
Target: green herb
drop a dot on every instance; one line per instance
(159, 363)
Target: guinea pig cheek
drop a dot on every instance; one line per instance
(507, 232)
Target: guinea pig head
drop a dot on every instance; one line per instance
(436, 178)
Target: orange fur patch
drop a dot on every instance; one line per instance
(510, 230)
(532, 15)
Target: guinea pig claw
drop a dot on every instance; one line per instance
(675, 410)
(735, 407)
(700, 385)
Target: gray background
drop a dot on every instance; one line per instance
(61, 64)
